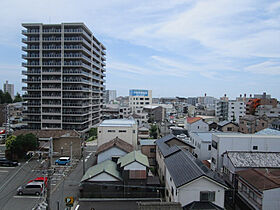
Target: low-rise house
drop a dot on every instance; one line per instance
(234, 161)
(212, 125)
(102, 181)
(113, 150)
(188, 179)
(128, 178)
(207, 205)
(196, 124)
(155, 113)
(148, 148)
(259, 188)
(125, 129)
(62, 141)
(227, 126)
(252, 124)
(223, 142)
(202, 141)
(166, 146)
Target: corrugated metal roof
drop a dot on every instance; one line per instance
(107, 166)
(148, 142)
(134, 156)
(118, 122)
(184, 168)
(268, 131)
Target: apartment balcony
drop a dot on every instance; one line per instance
(30, 31)
(95, 71)
(95, 90)
(51, 104)
(73, 47)
(76, 105)
(30, 56)
(75, 97)
(76, 72)
(97, 59)
(51, 39)
(51, 47)
(51, 71)
(51, 80)
(31, 72)
(30, 120)
(51, 88)
(96, 51)
(48, 64)
(30, 48)
(30, 96)
(51, 113)
(32, 64)
(52, 31)
(31, 88)
(51, 121)
(75, 121)
(76, 81)
(31, 80)
(52, 55)
(73, 113)
(30, 112)
(30, 40)
(32, 104)
(79, 89)
(51, 96)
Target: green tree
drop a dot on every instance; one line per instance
(5, 98)
(153, 131)
(22, 144)
(93, 133)
(17, 98)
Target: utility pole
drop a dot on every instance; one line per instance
(71, 152)
(48, 200)
(7, 121)
(83, 155)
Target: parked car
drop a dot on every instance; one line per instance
(63, 161)
(6, 162)
(42, 180)
(31, 188)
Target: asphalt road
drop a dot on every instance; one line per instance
(14, 177)
(103, 205)
(69, 186)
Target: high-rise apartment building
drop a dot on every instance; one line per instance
(65, 76)
(110, 95)
(9, 88)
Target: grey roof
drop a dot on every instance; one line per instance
(148, 142)
(118, 122)
(165, 149)
(225, 122)
(268, 131)
(255, 159)
(184, 168)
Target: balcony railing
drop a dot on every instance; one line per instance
(52, 30)
(30, 39)
(51, 47)
(30, 31)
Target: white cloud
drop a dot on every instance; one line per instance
(271, 67)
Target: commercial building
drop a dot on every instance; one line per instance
(125, 129)
(9, 88)
(65, 76)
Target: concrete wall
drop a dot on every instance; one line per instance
(108, 154)
(271, 199)
(198, 126)
(201, 147)
(160, 164)
(130, 136)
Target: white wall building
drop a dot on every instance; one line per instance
(186, 181)
(196, 124)
(236, 109)
(203, 143)
(223, 142)
(125, 129)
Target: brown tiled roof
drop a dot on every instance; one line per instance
(48, 133)
(191, 120)
(261, 179)
(116, 142)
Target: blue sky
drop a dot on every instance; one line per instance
(175, 47)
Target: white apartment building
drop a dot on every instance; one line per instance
(9, 88)
(224, 142)
(65, 72)
(236, 109)
(125, 129)
(137, 100)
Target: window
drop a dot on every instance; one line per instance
(172, 191)
(255, 147)
(122, 131)
(214, 144)
(111, 131)
(213, 160)
(133, 131)
(152, 150)
(146, 99)
(197, 127)
(209, 147)
(207, 196)
(229, 129)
